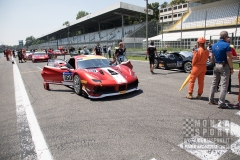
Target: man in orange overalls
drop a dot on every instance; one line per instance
(198, 68)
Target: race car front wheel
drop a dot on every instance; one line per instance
(187, 67)
(156, 65)
(77, 85)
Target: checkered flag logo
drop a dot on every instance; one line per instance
(188, 128)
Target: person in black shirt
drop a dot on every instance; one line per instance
(104, 50)
(120, 51)
(151, 52)
(98, 50)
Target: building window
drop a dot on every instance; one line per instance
(161, 11)
(169, 9)
(175, 15)
(165, 10)
(161, 18)
(170, 16)
(185, 6)
(179, 7)
(175, 8)
(165, 17)
(180, 14)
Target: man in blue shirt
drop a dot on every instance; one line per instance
(223, 68)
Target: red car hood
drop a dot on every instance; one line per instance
(118, 74)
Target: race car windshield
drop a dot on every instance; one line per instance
(40, 53)
(186, 54)
(93, 63)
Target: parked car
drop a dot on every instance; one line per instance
(28, 55)
(91, 76)
(39, 56)
(178, 60)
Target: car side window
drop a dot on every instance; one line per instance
(171, 57)
(71, 63)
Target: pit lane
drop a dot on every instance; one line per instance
(141, 125)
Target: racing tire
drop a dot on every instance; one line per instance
(46, 86)
(187, 67)
(77, 85)
(156, 64)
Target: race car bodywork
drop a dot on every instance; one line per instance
(91, 76)
(39, 56)
(178, 60)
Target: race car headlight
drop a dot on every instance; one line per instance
(96, 80)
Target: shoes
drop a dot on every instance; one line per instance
(212, 103)
(189, 96)
(237, 106)
(229, 106)
(198, 96)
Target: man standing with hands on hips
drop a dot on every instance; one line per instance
(222, 58)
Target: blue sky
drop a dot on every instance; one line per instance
(23, 18)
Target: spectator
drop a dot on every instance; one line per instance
(109, 51)
(152, 53)
(223, 68)
(120, 51)
(98, 50)
(104, 50)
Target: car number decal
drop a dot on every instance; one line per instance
(67, 76)
(179, 63)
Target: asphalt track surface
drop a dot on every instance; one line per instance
(143, 125)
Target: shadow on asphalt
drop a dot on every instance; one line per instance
(119, 97)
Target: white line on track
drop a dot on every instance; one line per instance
(39, 68)
(32, 142)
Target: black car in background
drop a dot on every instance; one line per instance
(178, 60)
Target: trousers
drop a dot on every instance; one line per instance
(224, 72)
(198, 72)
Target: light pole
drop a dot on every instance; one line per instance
(146, 23)
(68, 25)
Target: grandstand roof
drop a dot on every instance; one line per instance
(176, 36)
(107, 15)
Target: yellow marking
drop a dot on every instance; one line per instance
(30, 71)
(83, 82)
(122, 92)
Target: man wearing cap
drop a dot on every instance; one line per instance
(198, 68)
(223, 68)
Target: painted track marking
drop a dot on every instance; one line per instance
(32, 142)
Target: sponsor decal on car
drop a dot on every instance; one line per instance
(67, 76)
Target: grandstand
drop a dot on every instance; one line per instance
(205, 18)
(92, 32)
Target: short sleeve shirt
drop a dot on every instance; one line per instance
(151, 51)
(219, 50)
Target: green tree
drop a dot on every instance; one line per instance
(81, 14)
(29, 41)
(176, 2)
(66, 23)
(164, 5)
(155, 8)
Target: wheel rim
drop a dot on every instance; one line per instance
(155, 63)
(188, 67)
(76, 84)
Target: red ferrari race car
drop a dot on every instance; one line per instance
(39, 56)
(91, 76)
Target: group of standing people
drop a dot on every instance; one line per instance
(221, 56)
(102, 50)
(9, 54)
(21, 55)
